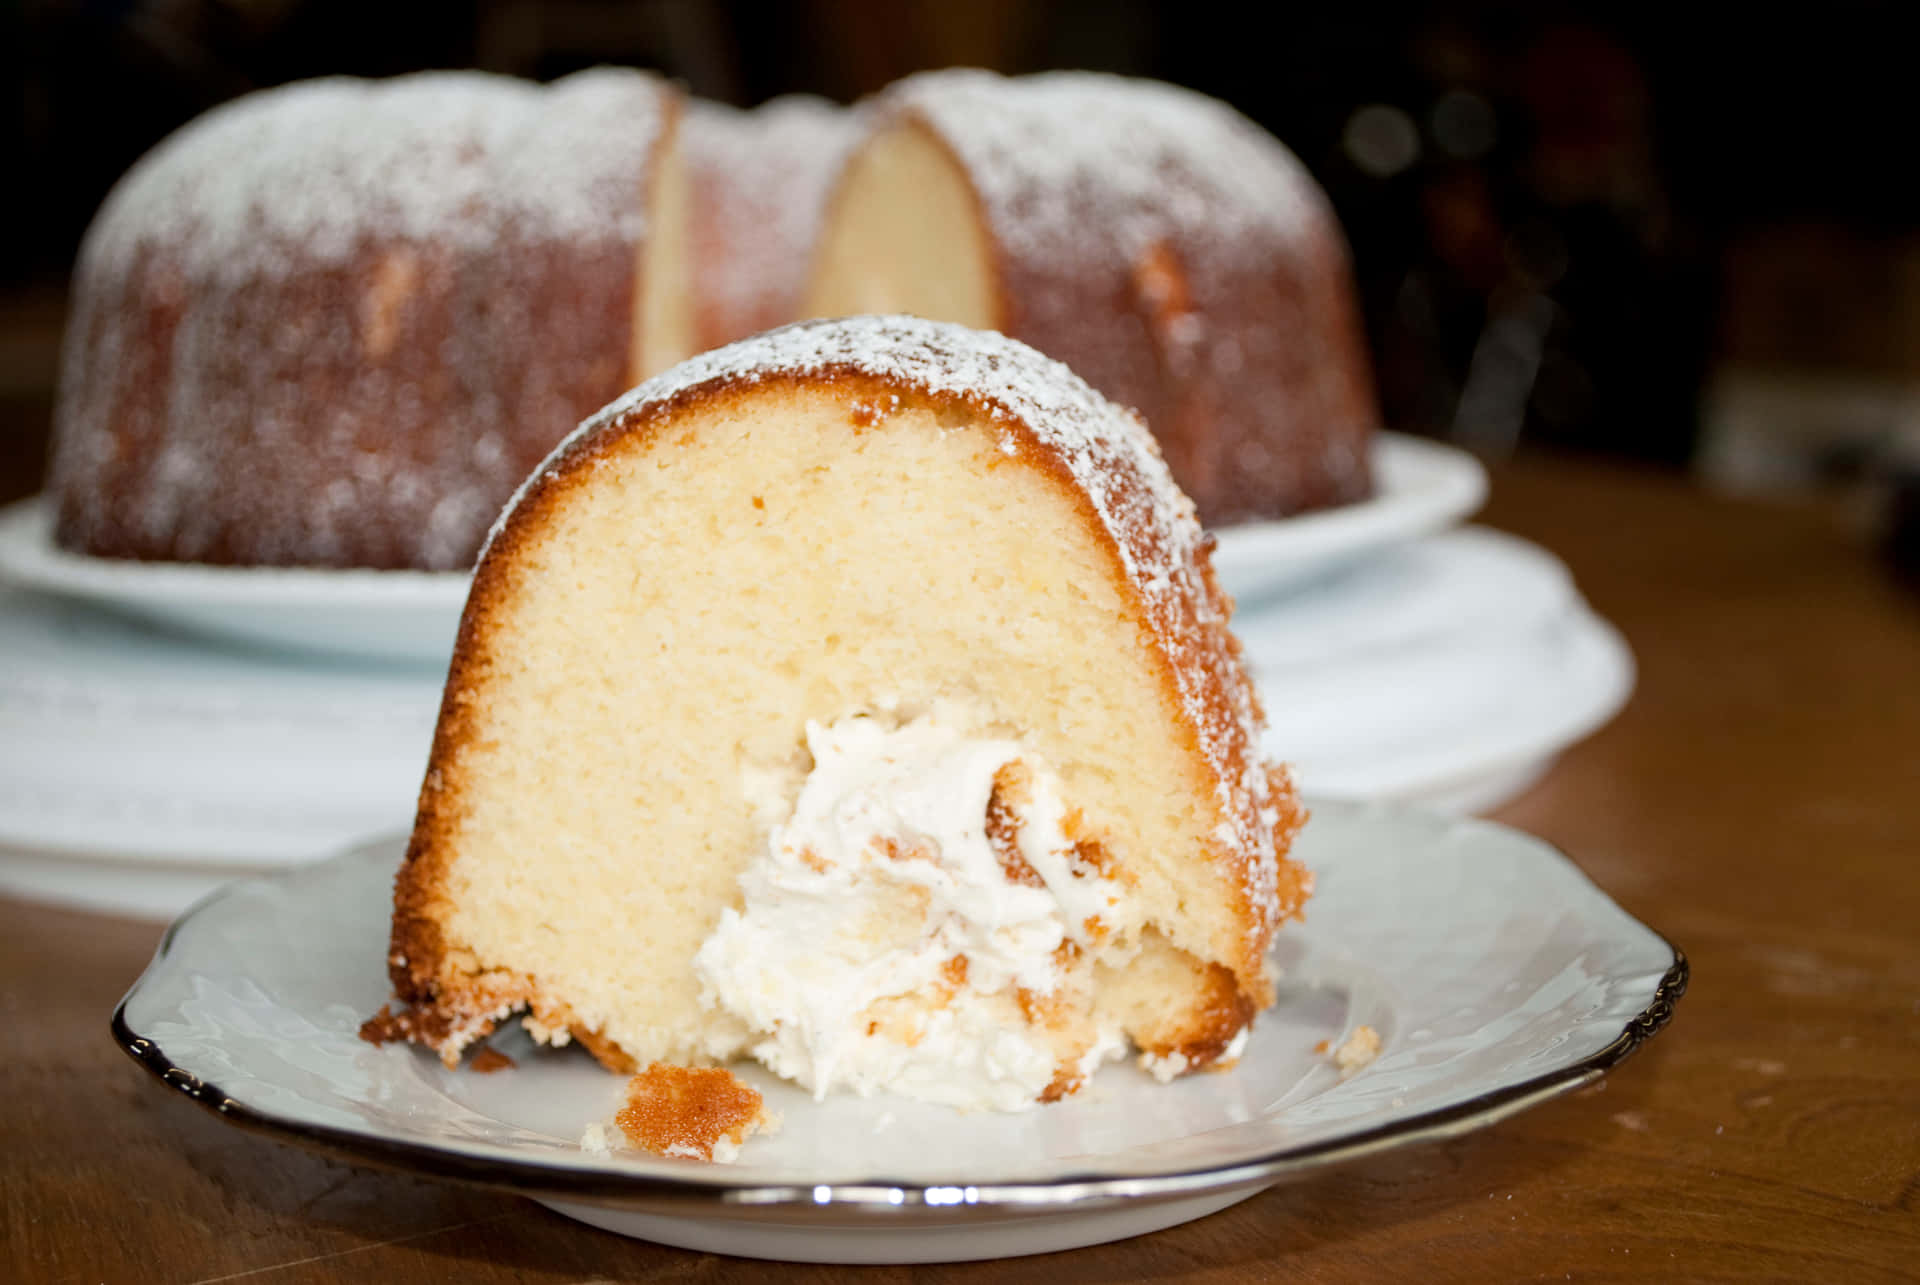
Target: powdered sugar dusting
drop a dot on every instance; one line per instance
(572, 169)
(1109, 450)
(319, 165)
(1182, 261)
(1164, 160)
(1110, 455)
(760, 185)
(290, 178)
(335, 323)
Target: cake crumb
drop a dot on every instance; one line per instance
(488, 1060)
(689, 1112)
(1357, 1050)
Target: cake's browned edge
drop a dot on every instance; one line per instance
(419, 955)
(1222, 1008)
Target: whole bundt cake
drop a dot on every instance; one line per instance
(334, 324)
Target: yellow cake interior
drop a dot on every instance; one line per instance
(672, 618)
(904, 234)
(663, 295)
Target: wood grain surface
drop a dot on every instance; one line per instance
(1758, 802)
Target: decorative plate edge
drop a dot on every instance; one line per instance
(880, 1197)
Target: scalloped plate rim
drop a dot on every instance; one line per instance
(874, 1201)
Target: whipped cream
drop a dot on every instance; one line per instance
(918, 902)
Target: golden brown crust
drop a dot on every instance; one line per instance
(1294, 882)
(1065, 1083)
(1003, 824)
(686, 1110)
(605, 1051)
(1200, 1033)
(489, 1060)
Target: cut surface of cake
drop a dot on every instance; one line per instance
(857, 698)
(1169, 250)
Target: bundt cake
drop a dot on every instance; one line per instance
(1169, 250)
(759, 182)
(333, 324)
(857, 697)
(336, 323)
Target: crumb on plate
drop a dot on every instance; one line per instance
(1357, 1050)
(690, 1112)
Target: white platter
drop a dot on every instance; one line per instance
(1467, 709)
(119, 741)
(1420, 487)
(389, 615)
(1434, 671)
(1496, 974)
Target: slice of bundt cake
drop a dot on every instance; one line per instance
(857, 697)
(1171, 251)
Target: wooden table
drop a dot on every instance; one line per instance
(1758, 802)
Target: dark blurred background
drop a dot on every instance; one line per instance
(1619, 229)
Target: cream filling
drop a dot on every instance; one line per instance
(886, 940)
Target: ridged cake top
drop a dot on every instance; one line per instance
(1108, 454)
(291, 178)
